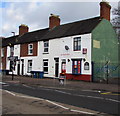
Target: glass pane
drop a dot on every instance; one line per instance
(45, 64)
(45, 49)
(45, 69)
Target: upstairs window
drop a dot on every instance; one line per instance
(46, 46)
(12, 51)
(76, 67)
(77, 44)
(2, 52)
(29, 66)
(30, 49)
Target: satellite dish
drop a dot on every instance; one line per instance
(66, 47)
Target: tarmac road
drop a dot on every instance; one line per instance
(101, 103)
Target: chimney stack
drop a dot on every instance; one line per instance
(23, 29)
(54, 21)
(105, 10)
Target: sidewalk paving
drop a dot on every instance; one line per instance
(78, 85)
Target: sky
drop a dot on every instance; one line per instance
(35, 13)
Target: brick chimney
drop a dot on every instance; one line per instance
(54, 21)
(23, 29)
(105, 10)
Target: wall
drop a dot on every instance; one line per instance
(105, 49)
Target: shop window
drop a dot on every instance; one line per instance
(76, 67)
(29, 65)
(86, 66)
(77, 44)
(30, 49)
(46, 46)
(63, 66)
(45, 66)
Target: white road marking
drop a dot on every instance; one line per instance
(28, 86)
(113, 100)
(57, 104)
(81, 111)
(10, 92)
(2, 83)
(61, 106)
(62, 92)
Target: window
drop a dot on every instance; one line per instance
(12, 51)
(29, 65)
(63, 66)
(45, 65)
(30, 49)
(76, 67)
(2, 52)
(77, 43)
(86, 66)
(46, 46)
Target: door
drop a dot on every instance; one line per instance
(18, 68)
(56, 67)
(22, 67)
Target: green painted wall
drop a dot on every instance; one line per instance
(106, 37)
(105, 48)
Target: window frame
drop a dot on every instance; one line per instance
(77, 44)
(29, 49)
(29, 67)
(77, 70)
(2, 52)
(46, 47)
(88, 66)
(45, 60)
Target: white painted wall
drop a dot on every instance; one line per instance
(56, 50)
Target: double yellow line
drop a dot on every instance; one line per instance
(109, 93)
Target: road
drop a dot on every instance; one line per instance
(93, 100)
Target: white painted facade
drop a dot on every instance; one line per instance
(56, 50)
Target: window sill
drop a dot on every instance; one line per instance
(45, 72)
(45, 52)
(30, 54)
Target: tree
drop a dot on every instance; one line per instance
(116, 20)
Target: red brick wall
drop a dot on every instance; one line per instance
(24, 49)
(105, 10)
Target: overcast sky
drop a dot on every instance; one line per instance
(36, 14)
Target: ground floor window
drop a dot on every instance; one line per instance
(45, 66)
(29, 65)
(63, 66)
(76, 66)
(86, 66)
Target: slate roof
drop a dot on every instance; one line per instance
(69, 29)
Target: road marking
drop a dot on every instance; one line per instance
(61, 106)
(81, 111)
(10, 92)
(57, 104)
(28, 86)
(109, 93)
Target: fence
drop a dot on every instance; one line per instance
(106, 72)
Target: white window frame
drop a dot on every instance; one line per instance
(29, 49)
(29, 67)
(45, 60)
(77, 44)
(2, 52)
(46, 47)
(86, 66)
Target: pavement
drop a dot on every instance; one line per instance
(71, 84)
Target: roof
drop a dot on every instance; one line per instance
(69, 29)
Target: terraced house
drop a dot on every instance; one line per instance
(82, 49)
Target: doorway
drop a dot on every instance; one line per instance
(22, 67)
(56, 67)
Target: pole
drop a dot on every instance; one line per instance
(12, 75)
(107, 73)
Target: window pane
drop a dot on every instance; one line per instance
(45, 64)
(45, 69)
(45, 49)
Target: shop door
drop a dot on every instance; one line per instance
(56, 67)
(18, 68)
(22, 66)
